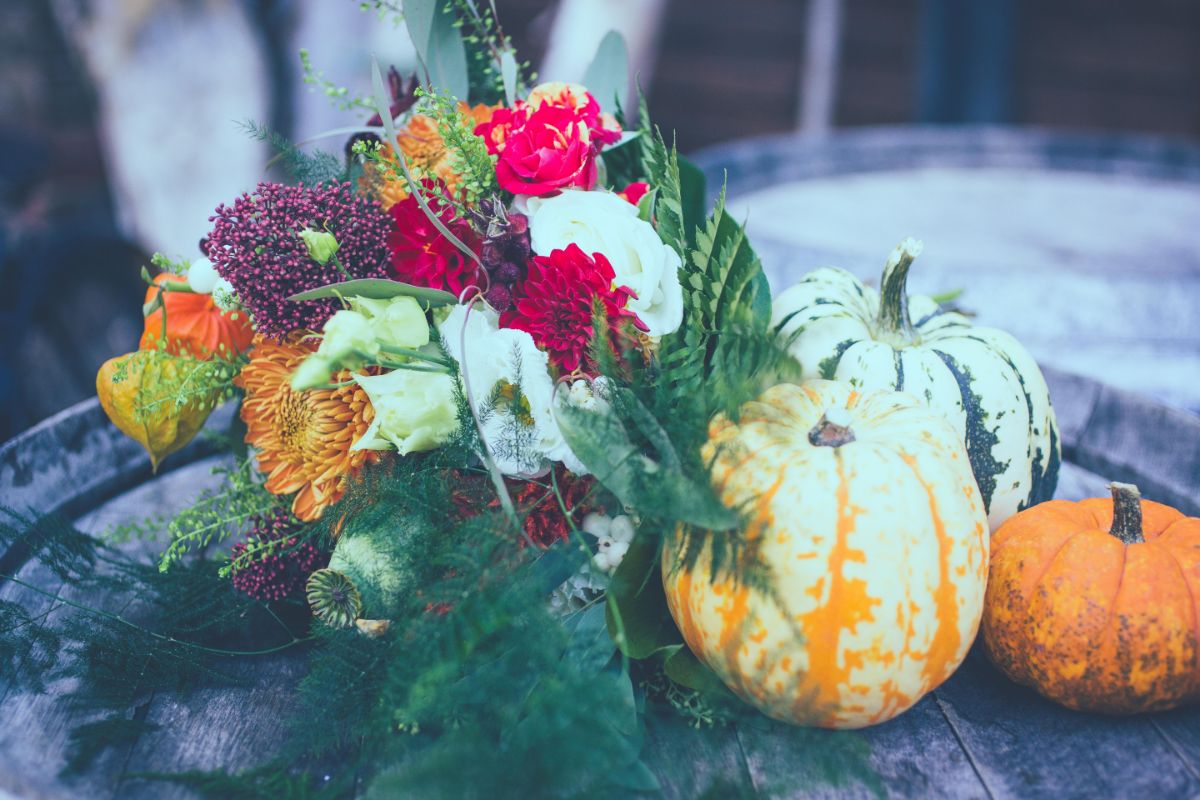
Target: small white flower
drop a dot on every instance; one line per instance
(224, 297)
(602, 222)
(202, 276)
(613, 537)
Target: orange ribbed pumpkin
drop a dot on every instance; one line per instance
(1096, 604)
(195, 326)
(866, 517)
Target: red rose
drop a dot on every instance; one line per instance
(420, 255)
(634, 192)
(551, 151)
(550, 141)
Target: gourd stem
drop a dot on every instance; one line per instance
(1127, 513)
(893, 291)
(833, 432)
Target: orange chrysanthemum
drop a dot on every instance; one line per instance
(303, 438)
(426, 154)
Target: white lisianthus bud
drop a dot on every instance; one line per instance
(399, 321)
(414, 411)
(313, 371)
(346, 333)
(202, 276)
(602, 222)
(321, 245)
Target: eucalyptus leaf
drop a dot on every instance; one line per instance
(590, 646)
(377, 289)
(637, 615)
(508, 73)
(607, 77)
(432, 25)
(601, 439)
(685, 669)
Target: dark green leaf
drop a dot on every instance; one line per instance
(638, 617)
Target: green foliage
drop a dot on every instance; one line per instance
(494, 73)
(167, 632)
(339, 96)
(725, 351)
(469, 157)
(88, 741)
(433, 28)
(220, 513)
(307, 168)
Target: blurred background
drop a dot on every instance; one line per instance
(119, 118)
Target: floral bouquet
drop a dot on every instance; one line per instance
(524, 453)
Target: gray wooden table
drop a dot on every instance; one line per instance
(976, 736)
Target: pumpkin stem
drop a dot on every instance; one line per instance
(833, 430)
(1127, 513)
(893, 292)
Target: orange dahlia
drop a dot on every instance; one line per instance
(303, 439)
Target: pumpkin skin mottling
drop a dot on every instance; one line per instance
(877, 552)
(1089, 621)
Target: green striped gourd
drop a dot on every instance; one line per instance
(982, 379)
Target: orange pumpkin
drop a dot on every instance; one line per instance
(195, 326)
(1095, 604)
(870, 543)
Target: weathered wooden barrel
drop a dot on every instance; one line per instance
(977, 736)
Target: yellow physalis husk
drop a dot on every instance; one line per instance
(130, 388)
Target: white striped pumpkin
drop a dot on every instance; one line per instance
(980, 378)
(863, 512)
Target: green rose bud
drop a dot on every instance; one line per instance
(346, 334)
(414, 411)
(321, 245)
(313, 372)
(399, 321)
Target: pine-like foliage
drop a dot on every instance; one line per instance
(309, 169)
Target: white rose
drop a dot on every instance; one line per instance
(601, 222)
(414, 411)
(202, 276)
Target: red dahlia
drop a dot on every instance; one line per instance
(422, 256)
(556, 302)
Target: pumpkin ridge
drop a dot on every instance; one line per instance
(1191, 606)
(947, 635)
(822, 624)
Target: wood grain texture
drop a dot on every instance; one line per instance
(913, 755)
(1026, 747)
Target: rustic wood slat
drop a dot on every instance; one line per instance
(690, 763)
(1029, 748)
(35, 728)
(914, 755)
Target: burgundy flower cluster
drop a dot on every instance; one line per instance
(256, 246)
(283, 572)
